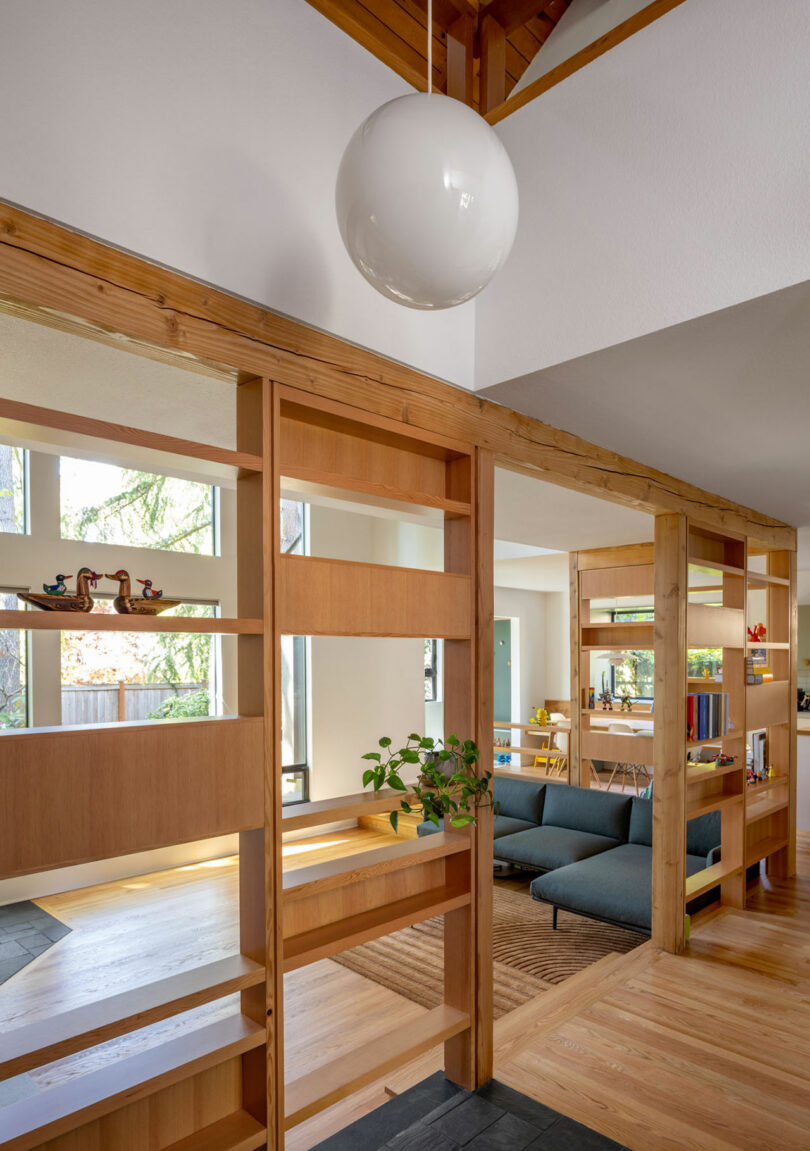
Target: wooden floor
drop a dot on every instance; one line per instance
(709, 1051)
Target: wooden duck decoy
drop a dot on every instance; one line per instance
(128, 604)
(148, 591)
(56, 597)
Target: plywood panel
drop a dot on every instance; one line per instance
(70, 796)
(336, 597)
(767, 703)
(715, 626)
(618, 581)
(616, 748)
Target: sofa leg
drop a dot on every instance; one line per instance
(554, 919)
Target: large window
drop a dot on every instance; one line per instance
(636, 673)
(13, 470)
(110, 676)
(103, 503)
(294, 752)
(13, 669)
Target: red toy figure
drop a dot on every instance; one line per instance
(757, 633)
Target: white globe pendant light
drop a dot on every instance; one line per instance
(427, 200)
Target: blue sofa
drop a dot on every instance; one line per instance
(592, 849)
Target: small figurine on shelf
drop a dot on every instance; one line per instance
(706, 673)
(56, 597)
(148, 592)
(540, 717)
(128, 604)
(591, 698)
(606, 699)
(627, 702)
(724, 760)
(757, 633)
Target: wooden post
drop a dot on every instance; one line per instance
(576, 775)
(492, 49)
(669, 792)
(460, 52)
(260, 849)
(468, 710)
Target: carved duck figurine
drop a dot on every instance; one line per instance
(148, 591)
(128, 604)
(57, 598)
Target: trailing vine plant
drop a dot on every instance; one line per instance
(448, 785)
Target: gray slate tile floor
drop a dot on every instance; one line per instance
(25, 932)
(437, 1116)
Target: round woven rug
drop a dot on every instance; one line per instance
(529, 956)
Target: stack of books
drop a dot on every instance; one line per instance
(757, 669)
(707, 715)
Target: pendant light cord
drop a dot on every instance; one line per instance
(430, 46)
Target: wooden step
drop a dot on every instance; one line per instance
(237, 1132)
(32, 1121)
(763, 848)
(708, 803)
(49, 1039)
(326, 1085)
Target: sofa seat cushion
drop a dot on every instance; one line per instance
(544, 848)
(506, 825)
(587, 809)
(616, 886)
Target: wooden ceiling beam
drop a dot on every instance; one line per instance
(585, 56)
(492, 50)
(461, 59)
(513, 14)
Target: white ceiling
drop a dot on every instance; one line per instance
(531, 511)
(722, 401)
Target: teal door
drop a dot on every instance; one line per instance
(503, 670)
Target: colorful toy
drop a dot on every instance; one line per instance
(540, 717)
(724, 760)
(128, 604)
(606, 699)
(57, 598)
(627, 703)
(148, 593)
(757, 633)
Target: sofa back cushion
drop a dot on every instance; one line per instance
(519, 798)
(703, 833)
(586, 809)
(640, 821)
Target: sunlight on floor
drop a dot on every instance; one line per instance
(310, 845)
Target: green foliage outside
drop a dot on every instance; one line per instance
(194, 703)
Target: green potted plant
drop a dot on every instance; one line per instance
(448, 783)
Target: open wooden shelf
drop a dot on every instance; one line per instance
(334, 482)
(299, 816)
(714, 566)
(342, 935)
(763, 579)
(763, 848)
(30, 1122)
(100, 621)
(319, 1089)
(700, 772)
(708, 878)
(764, 806)
(692, 745)
(718, 802)
(236, 1132)
(62, 1034)
(767, 647)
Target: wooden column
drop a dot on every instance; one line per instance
(460, 53)
(259, 690)
(492, 50)
(669, 792)
(575, 773)
(783, 622)
(468, 712)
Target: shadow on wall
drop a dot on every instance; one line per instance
(252, 212)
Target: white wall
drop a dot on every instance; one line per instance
(529, 607)
(207, 136)
(558, 645)
(360, 688)
(667, 179)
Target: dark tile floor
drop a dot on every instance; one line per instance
(438, 1116)
(25, 932)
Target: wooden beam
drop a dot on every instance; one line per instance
(585, 56)
(669, 793)
(492, 50)
(50, 267)
(460, 59)
(575, 773)
(512, 14)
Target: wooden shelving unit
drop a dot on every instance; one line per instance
(756, 822)
(607, 573)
